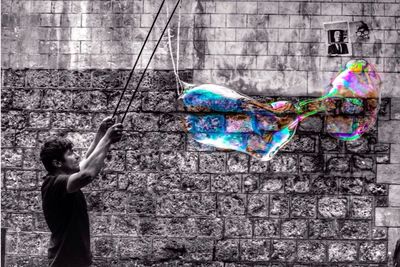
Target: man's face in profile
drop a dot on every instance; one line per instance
(71, 162)
(337, 35)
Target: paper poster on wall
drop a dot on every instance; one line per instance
(337, 38)
(359, 31)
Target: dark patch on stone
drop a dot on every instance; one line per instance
(303, 207)
(266, 228)
(364, 163)
(14, 78)
(227, 250)
(355, 230)
(279, 206)
(311, 252)
(381, 201)
(75, 79)
(141, 203)
(323, 229)
(283, 250)
(297, 183)
(42, 78)
(323, 185)
(360, 145)
(257, 205)
(107, 79)
(338, 164)
(313, 163)
(330, 144)
(373, 252)
(376, 189)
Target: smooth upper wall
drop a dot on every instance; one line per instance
(258, 47)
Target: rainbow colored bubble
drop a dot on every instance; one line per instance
(226, 119)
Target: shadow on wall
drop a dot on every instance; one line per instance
(396, 255)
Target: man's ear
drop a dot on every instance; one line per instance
(57, 163)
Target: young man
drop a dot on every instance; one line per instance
(64, 204)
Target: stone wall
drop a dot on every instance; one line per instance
(164, 199)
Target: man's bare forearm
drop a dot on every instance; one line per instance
(95, 161)
(105, 124)
(90, 167)
(94, 144)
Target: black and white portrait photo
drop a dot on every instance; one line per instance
(337, 39)
(359, 31)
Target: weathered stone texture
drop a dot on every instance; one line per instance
(333, 207)
(342, 252)
(311, 252)
(164, 199)
(373, 252)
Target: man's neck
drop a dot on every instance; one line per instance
(60, 172)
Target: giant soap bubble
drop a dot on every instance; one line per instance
(226, 119)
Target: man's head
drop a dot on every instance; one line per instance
(57, 155)
(337, 36)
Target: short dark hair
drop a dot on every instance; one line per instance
(54, 149)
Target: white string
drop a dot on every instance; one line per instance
(177, 39)
(175, 66)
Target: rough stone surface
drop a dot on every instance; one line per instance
(355, 230)
(342, 252)
(164, 200)
(361, 207)
(311, 252)
(333, 207)
(304, 207)
(283, 250)
(294, 228)
(254, 250)
(373, 252)
(323, 229)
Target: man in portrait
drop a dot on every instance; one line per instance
(337, 45)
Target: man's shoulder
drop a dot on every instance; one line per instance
(51, 181)
(47, 179)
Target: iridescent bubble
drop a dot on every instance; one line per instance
(242, 123)
(226, 119)
(359, 85)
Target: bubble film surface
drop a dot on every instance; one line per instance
(226, 119)
(358, 84)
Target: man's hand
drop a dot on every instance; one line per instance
(105, 125)
(114, 133)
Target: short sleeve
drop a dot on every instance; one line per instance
(60, 185)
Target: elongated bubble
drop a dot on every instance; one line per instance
(226, 119)
(242, 123)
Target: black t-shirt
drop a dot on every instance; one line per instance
(68, 220)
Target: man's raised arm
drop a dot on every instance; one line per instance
(91, 166)
(104, 125)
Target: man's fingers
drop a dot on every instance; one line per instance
(106, 123)
(118, 126)
(109, 119)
